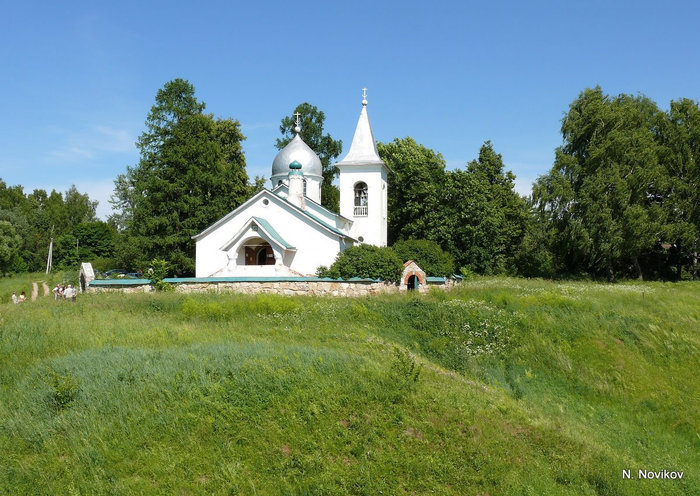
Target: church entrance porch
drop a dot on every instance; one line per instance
(258, 252)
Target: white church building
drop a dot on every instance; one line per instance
(284, 231)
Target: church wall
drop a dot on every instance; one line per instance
(315, 246)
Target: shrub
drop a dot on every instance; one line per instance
(427, 254)
(158, 272)
(466, 273)
(369, 261)
(64, 389)
(404, 370)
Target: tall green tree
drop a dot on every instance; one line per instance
(487, 217)
(78, 207)
(416, 185)
(191, 173)
(681, 141)
(311, 121)
(603, 194)
(10, 243)
(474, 214)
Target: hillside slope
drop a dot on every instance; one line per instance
(503, 386)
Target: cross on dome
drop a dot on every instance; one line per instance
(297, 127)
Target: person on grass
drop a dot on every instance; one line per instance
(70, 293)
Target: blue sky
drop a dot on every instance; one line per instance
(77, 79)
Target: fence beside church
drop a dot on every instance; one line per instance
(284, 285)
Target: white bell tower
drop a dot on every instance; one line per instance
(363, 184)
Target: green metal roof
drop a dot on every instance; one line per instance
(119, 282)
(264, 279)
(271, 231)
(176, 280)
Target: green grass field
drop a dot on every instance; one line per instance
(502, 386)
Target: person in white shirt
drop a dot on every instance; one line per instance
(70, 293)
(56, 292)
(14, 297)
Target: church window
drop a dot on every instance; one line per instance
(304, 187)
(279, 183)
(265, 202)
(360, 200)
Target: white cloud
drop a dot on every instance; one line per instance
(71, 153)
(91, 143)
(114, 140)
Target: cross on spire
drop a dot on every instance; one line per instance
(364, 96)
(297, 128)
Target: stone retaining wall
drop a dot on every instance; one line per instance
(327, 288)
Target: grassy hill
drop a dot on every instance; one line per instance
(503, 386)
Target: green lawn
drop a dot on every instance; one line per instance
(502, 386)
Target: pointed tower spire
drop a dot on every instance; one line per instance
(363, 184)
(363, 149)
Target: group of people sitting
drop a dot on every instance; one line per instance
(64, 292)
(18, 299)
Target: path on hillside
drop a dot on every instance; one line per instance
(45, 287)
(35, 290)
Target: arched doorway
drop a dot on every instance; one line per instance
(412, 282)
(258, 252)
(262, 255)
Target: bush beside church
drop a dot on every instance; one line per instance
(386, 263)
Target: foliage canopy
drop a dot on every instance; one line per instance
(191, 173)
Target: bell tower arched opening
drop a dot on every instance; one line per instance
(361, 199)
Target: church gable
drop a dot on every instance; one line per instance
(257, 226)
(295, 241)
(321, 221)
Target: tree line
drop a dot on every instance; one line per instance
(622, 198)
(29, 221)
